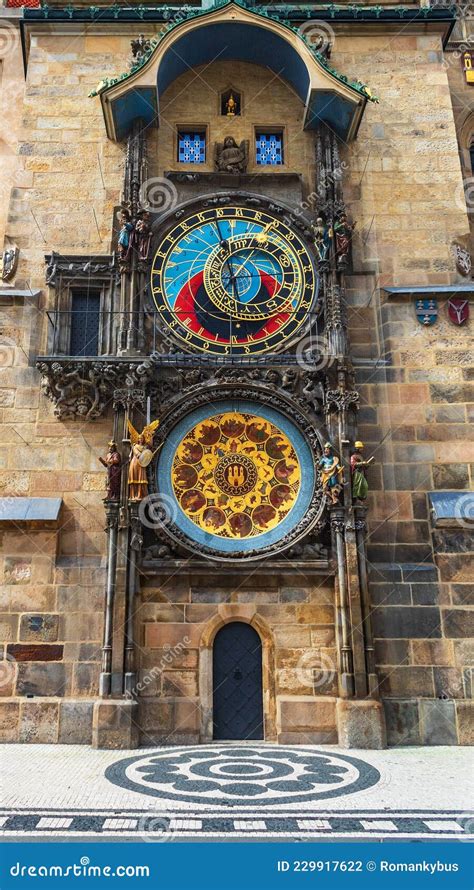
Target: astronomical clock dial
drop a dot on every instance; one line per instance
(238, 477)
(233, 280)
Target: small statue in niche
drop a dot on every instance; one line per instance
(113, 464)
(230, 157)
(124, 240)
(343, 233)
(231, 106)
(360, 487)
(331, 474)
(141, 456)
(143, 234)
(322, 239)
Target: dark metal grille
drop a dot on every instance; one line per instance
(85, 314)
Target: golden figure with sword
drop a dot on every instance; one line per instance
(141, 455)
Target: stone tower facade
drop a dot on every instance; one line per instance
(251, 224)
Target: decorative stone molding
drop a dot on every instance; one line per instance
(341, 400)
(84, 389)
(60, 267)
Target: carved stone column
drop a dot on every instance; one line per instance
(135, 542)
(105, 680)
(360, 513)
(343, 614)
(131, 331)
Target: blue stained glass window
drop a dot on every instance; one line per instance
(269, 148)
(191, 147)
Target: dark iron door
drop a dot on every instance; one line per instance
(237, 673)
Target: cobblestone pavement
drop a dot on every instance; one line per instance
(234, 791)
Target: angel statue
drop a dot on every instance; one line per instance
(230, 157)
(140, 456)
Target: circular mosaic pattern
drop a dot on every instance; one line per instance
(243, 776)
(236, 474)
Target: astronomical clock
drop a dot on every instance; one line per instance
(236, 283)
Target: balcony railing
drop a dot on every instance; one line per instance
(95, 333)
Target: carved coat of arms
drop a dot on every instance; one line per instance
(426, 311)
(458, 310)
(9, 262)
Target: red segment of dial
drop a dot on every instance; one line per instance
(184, 309)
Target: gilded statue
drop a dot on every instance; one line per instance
(231, 106)
(230, 157)
(141, 455)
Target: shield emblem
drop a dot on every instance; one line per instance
(145, 457)
(458, 310)
(426, 311)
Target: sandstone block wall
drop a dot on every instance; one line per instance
(404, 190)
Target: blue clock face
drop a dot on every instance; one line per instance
(233, 280)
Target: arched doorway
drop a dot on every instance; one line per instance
(237, 683)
